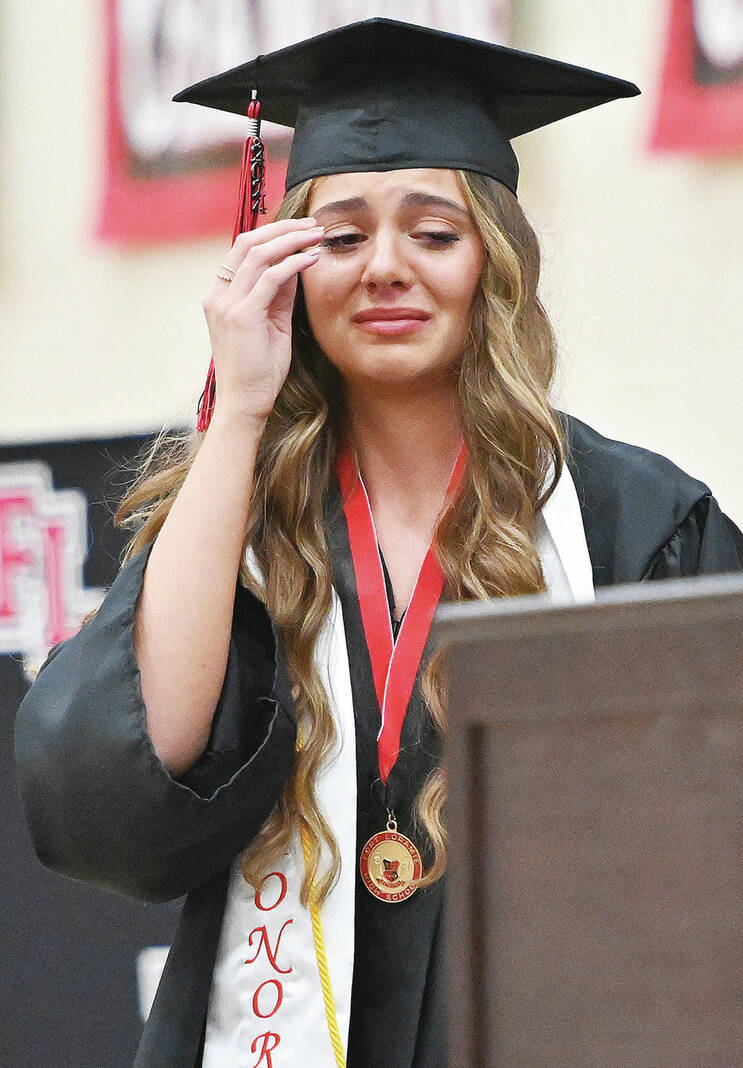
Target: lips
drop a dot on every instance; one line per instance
(391, 322)
(389, 314)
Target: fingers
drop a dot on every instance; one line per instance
(274, 277)
(262, 234)
(259, 257)
(253, 251)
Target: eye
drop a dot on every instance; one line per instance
(343, 242)
(437, 239)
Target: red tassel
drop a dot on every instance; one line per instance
(251, 204)
(251, 196)
(206, 401)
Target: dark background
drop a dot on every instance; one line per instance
(68, 991)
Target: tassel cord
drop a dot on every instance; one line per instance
(251, 204)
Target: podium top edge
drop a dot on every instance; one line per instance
(710, 596)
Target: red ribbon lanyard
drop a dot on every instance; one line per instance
(394, 663)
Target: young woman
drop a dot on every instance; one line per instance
(253, 717)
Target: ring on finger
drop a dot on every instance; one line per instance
(222, 273)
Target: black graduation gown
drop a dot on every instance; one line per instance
(101, 806)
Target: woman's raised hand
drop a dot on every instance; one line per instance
(249, 318)
(184, 615)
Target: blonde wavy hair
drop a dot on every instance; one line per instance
(484, 541)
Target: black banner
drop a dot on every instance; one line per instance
(78, 969)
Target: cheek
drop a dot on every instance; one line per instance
(456, 273)
(457, 283)
(326, 298)
(326, 285)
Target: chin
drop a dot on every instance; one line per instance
(393, 363)
(398, 370)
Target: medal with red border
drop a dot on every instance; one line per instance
(390, 863)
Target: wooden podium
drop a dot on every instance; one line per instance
(595, 884)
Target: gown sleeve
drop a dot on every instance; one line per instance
(706, 542)
(100, 804)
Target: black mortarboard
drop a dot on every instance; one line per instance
(383, 95)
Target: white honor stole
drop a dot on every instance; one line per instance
(266, 1007)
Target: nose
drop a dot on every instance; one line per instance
(385, 265)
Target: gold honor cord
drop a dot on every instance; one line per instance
(320, 954)
(322, 962)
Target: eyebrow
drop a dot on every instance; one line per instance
(409, 200)
(352, 204)
(428, 200)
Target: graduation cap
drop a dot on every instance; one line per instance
(383, 95)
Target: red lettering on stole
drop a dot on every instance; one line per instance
(265, 1043)
(279, 998)
(282, 892)
(265, 1053)
(264, 943)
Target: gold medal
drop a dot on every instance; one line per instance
(390, 864)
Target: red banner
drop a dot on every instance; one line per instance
(178, 190)
(700, 106)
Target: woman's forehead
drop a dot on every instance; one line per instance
(386, 188)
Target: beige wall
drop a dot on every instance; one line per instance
(643, 254)
(95, 339)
